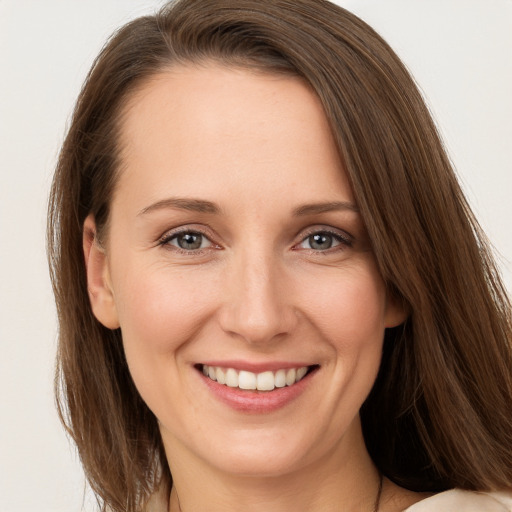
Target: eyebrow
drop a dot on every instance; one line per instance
(194, 205)
(315, 208)
(203, 206)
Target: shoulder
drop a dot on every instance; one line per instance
(457, 500)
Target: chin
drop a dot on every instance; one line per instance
(261, 462)
(270, 452)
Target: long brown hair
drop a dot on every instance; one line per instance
(440, 413)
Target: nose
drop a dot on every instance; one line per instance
(258, 299)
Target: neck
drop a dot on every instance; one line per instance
(343, 479)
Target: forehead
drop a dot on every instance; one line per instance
(190, 123)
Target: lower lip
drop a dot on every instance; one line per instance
(257, 402)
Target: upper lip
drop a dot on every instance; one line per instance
(257, 367)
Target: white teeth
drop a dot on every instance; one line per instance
(246, 380)
(231, 378)
(221, 376)
(300, 373)
(290, 376)
(265, 381)
(280, 379)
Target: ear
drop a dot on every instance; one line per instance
(396, 311)
(99, 285)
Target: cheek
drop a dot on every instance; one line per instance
(161, 309)
(351, 319)
(349, 308)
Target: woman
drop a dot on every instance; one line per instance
(286, 302)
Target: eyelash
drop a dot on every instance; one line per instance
(343, 241)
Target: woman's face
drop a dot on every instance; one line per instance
(236, 249)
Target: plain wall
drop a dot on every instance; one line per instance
(460, 52)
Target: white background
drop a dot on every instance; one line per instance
(460, 52)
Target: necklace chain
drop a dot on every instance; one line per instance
(375, 507)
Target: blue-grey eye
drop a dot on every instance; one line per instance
(321, 241)
(190, 241)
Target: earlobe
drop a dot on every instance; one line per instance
(396, 312)
(99, 285)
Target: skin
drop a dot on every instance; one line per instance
(258, 149)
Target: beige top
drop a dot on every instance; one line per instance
(465, 501)
(448, 501)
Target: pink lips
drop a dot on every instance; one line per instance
(256, 402)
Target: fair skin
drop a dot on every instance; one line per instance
(235, 243)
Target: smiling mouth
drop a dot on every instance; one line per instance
(249, 381)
